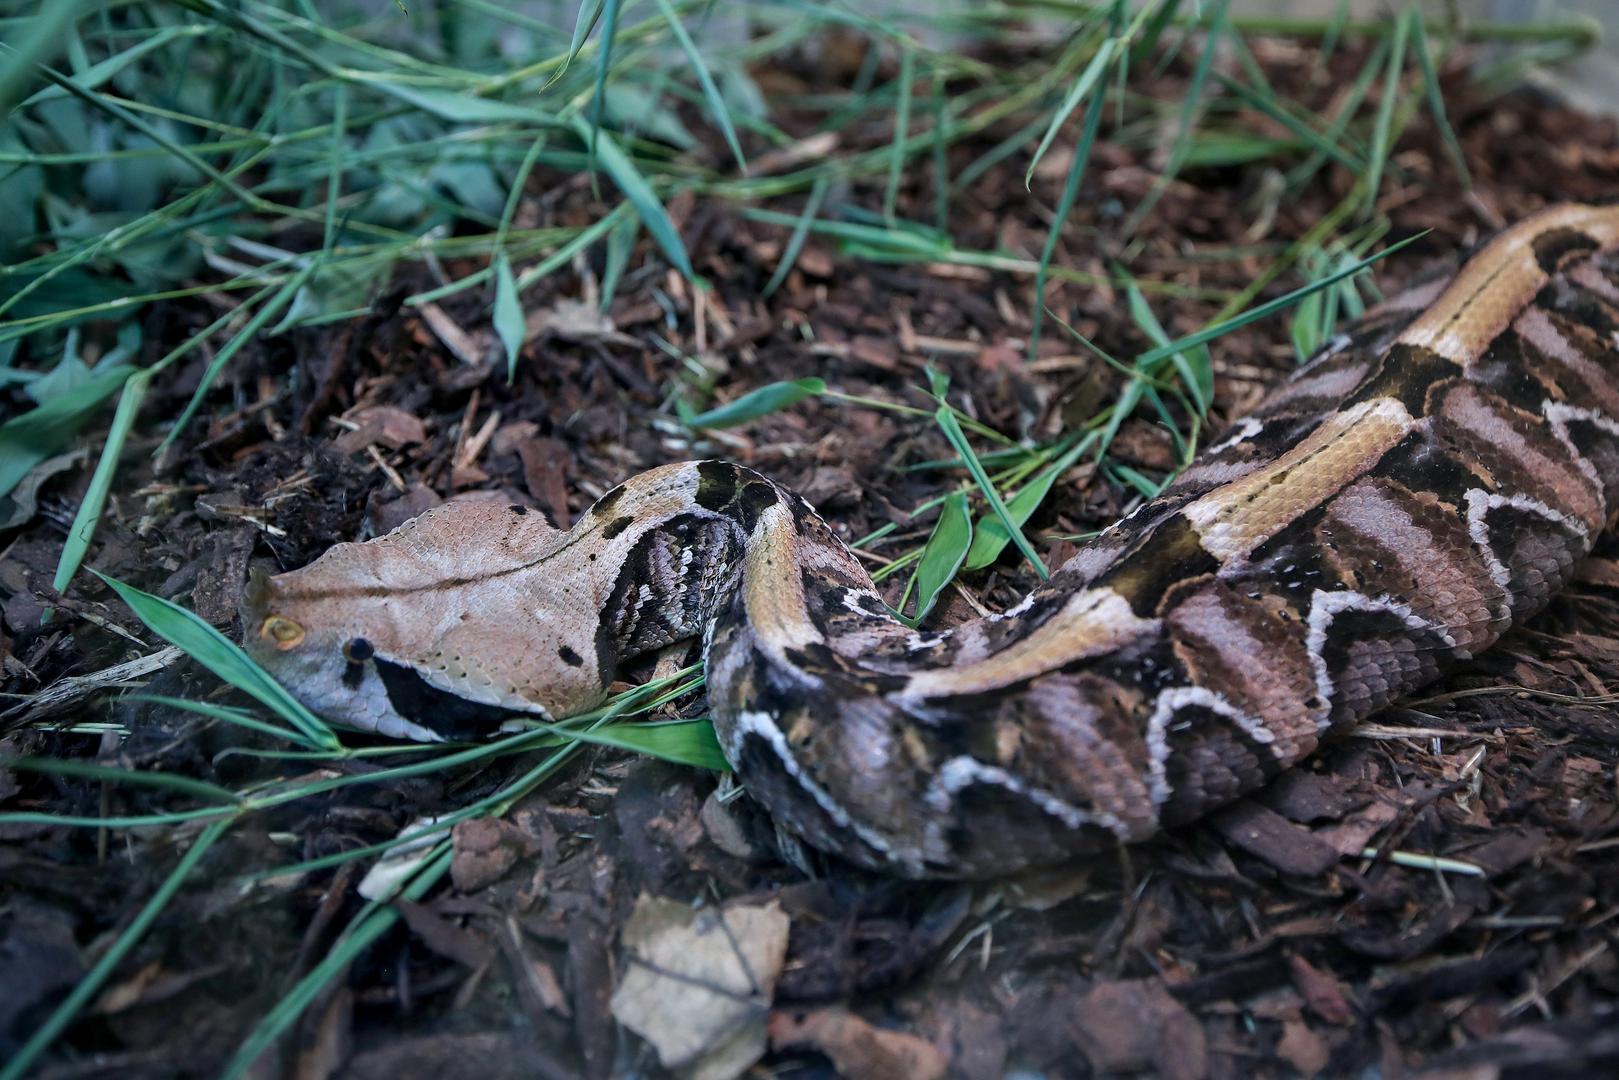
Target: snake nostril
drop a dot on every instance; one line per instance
(358, 650)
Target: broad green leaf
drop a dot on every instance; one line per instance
(757, 403)
(684, 742)
(639, 192)
(942, 555)
(1081, 89)
(716, 103)
(952, 431)
(991, 537)
(221, 656)
(30, 438)
(508, 313)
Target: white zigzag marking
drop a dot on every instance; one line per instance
(1244, 429)
(1481, 502)
(1172, 701)
(1327, 606)
(964, 771)
(1559, 414)
(764, 725)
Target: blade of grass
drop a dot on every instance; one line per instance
(756, 403)
(1077, 93)
(635, 188)
(1269, 307)
(795, 242)
(273, 307)
(222, 656)
(952, 431)
(716, 102)
(1065, 203)
(1436, 100)
(991, 537)
(86, 770)
(1182, 143)
(1377, 158)
(239, 717)
(902, 130)
(604, 61)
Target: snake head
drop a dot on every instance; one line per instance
(324, 660)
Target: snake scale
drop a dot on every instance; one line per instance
(1423, 484)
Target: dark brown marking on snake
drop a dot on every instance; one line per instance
(569, 657)
(617, 526)
(517, 509)
(604, 505)
(1557, 248)
(1172, 553)
(1211, 759)
(717, 483)
(1406, 373)
(754, 498)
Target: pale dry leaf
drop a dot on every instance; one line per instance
(697, 984)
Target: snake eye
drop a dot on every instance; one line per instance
(282, 631)
(358, 650)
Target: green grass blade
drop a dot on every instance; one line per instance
(82, 531)
(942, 555)
(222, 656)
(1077, 93)
(92, 982)
(684, 742)
(1377, 158)
(639, 192)
(86, 770)
(583, 23)
(1182, 144)
(756, 403)
(1194, 366)
(795, 242)
(716, 101)
(509, 323)
(1436, 101)
(1065, 203)
(373, 921)
(952, 431)
(1270, 307)
(239, 717)
(991, 537)
(902, 131)
(604, 63)
(260, 319)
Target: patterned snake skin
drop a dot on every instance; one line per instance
(1426, 482)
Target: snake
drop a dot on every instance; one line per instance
(1425, 482)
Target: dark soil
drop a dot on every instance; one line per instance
(1261, 943)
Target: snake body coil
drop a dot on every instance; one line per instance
(1425, 483)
